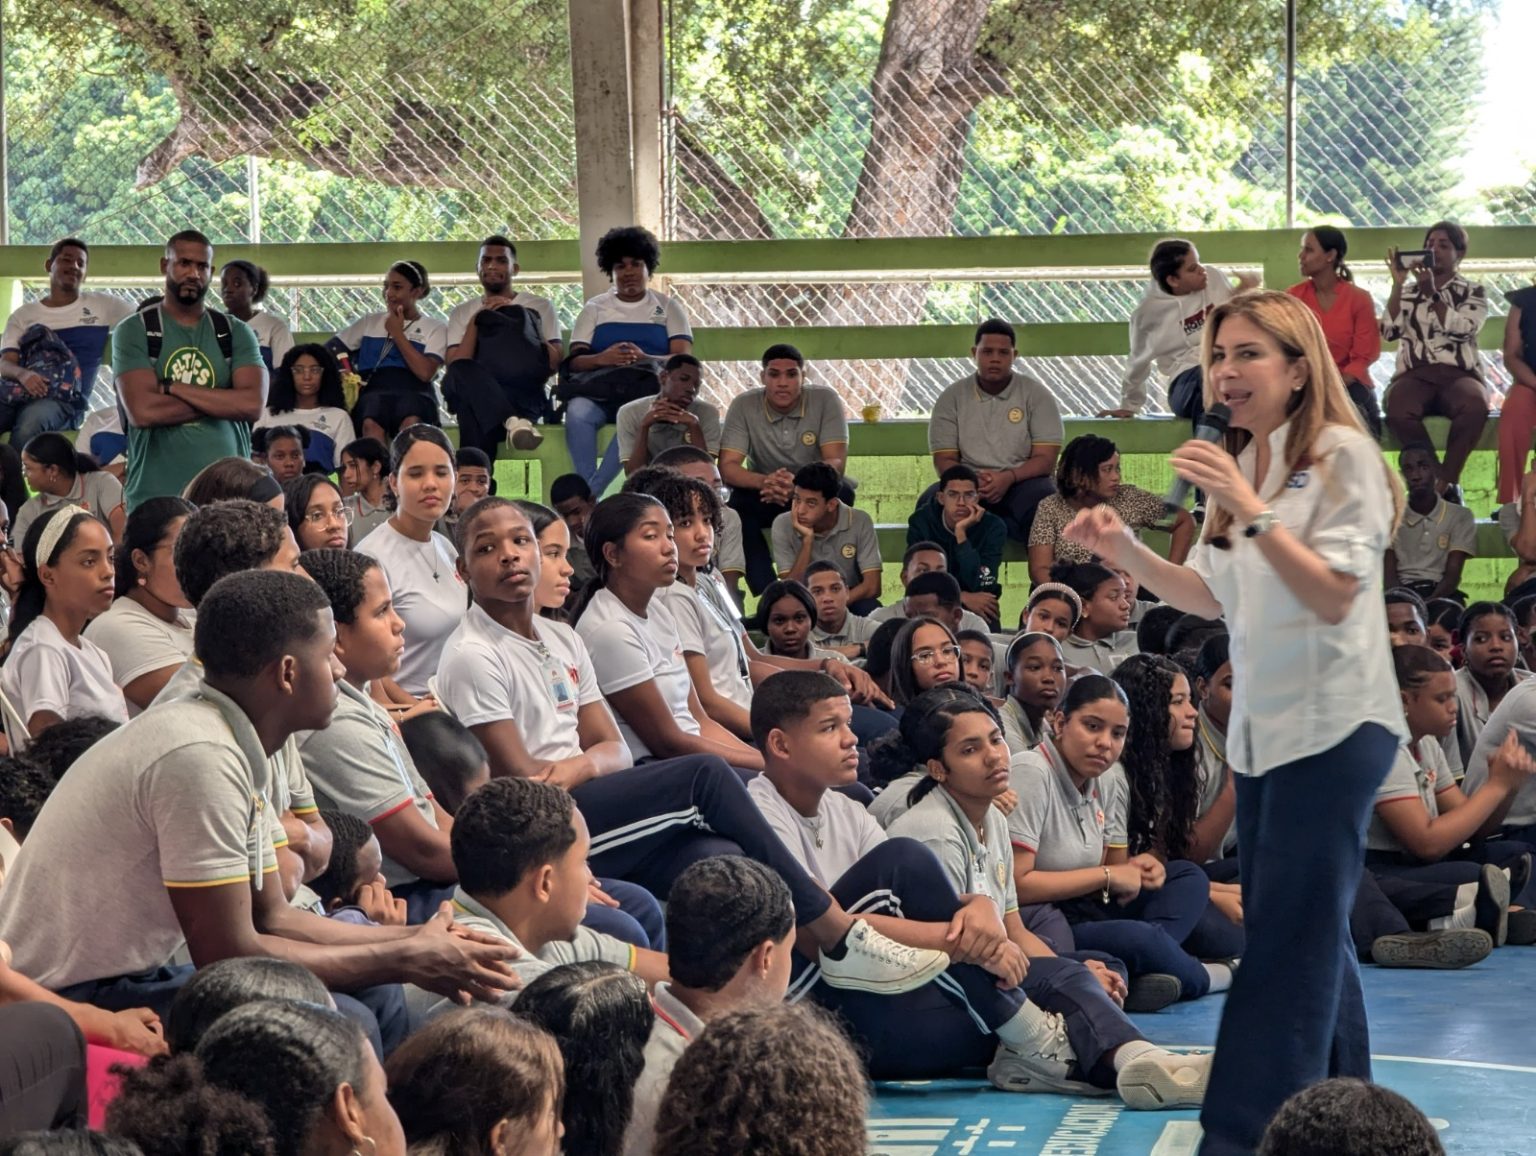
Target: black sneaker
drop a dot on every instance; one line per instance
(1440, 950)
(1153, 992)
(1492, 904)
(1522, 927)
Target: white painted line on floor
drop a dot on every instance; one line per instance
(1179, 1138)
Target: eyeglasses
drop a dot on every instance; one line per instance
(321, 517)
(927, 656)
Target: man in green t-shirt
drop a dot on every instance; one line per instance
(191, 405)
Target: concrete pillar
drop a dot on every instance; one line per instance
(646, 78)
(616, 71)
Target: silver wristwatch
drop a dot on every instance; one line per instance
(1263, 522)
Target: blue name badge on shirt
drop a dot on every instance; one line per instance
(560, 688)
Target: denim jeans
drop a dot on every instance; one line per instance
(583, 418)
(1296, 1014)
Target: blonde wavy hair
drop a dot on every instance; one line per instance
(1321, 402)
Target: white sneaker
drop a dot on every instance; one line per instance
(1042, 1069)
(1160, 1081)
(522, 434)
(874, 962)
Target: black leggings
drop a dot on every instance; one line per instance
(42, 1069)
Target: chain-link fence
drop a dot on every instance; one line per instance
(266, 120)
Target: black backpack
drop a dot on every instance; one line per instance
(510, 342)
(154, 332)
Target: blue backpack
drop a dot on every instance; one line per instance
(43, 352)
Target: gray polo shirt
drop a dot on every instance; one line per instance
(177, 798)
(994, 432)
(1424, 542)
(1213, 773)
(969, 619)
(1067, 829)
(1418, 772)
(851, 544)
(675, 1028)
(784, 441)
(1103, 655)
(1516, 712)
(359, 765)
(974, 866)
(856, 629)
(730, 549)
(584, 947)
(665, 435)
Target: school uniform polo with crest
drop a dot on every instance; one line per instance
(1419, 772)
(84, 326)
(1424, 542)
(771, 440)
(994, 431)
(975, 865)
(628, 650)
(850, 544)
(1064, 827)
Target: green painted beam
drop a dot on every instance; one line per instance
(1274, 249)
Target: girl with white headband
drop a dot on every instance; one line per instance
(51, 671)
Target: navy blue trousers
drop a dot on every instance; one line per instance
(1295, 1014)
(947, 1025)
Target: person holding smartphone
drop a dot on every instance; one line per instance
(1435, 315)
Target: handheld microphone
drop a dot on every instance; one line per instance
(1211, 427)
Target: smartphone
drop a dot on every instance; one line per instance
(1408, 258)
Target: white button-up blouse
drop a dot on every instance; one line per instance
(1300, 685)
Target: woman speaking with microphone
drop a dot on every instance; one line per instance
(1302, 509)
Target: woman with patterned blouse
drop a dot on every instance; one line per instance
(1435, 316)
(1089, 475)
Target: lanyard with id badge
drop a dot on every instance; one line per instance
(559, 679)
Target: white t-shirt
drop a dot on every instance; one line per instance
(137, 643)
(107, 424)
(330, 428)
(373, 348)
(489, 674)
(827, 845)
(703, 631)
(429, 595)
(459, 318)
(44, 672)
(273, 337)
(628, 650)
(651, 323)
(84, 326)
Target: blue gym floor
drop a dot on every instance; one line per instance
(1459, 1044)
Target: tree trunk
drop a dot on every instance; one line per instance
(926, 87)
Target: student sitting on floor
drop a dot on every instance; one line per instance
(1423, 820)
(836, 628)
(450, 759)
(1490, 650)
(353, 886)
(51, 672)
(1349, 1118)
(520, 854)
(1037, 678)
(1406, 617)
(1445, 620)
(751, 1070)
(147, 633)
(1099, 641)
(170, 838)
(1162, 766)
(924, 654)
(977, 659)
(477, 1082)
(949, 886)
(1053, 609)
(786, 617)
(1070, 843)
(1436, 537)
(526, 688)
(358, 764)
(920, 559)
